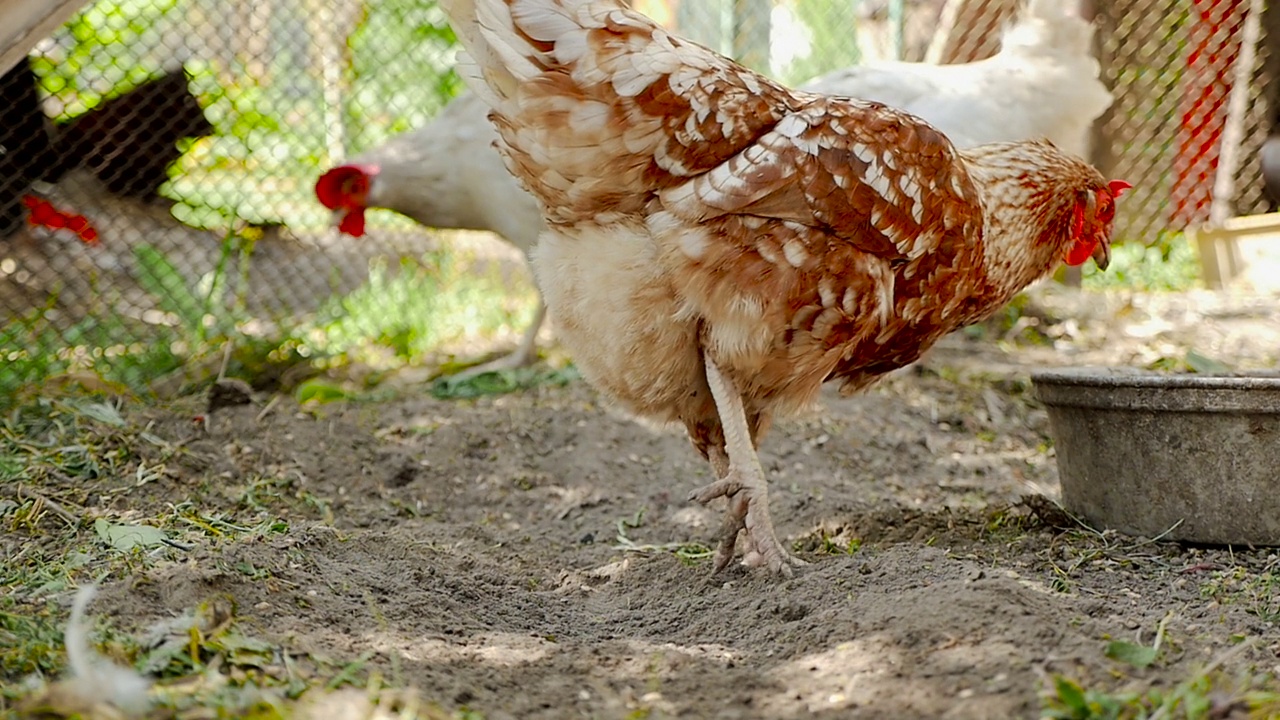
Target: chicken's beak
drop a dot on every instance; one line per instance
(1102, 254)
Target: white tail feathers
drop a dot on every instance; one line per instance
(481, 66)
(1049, 25)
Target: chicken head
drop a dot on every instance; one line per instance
(1093, 240)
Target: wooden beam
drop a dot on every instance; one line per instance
(23, 23)
(1217, 245)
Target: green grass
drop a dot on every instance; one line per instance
(689, 553)
(100, 352)
(403, 316)
(1204, 695)
(411, 312)
(1256, 591)
(1168, 264)
(77, 508)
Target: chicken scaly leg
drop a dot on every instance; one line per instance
(743, 484)
(523, 356)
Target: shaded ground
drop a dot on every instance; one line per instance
(533, 556)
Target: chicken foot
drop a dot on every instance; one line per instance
(524, 355)
(742, 482)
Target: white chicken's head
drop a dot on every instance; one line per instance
(345, 191)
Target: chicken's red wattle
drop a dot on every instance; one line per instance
(1080, 252)
(352, 222)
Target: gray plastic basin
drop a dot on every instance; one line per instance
(1187, 457)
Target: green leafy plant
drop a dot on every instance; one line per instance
(831, 25)
(1169, 264)
(81, 67)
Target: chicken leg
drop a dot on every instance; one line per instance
(743, 484)
(524, 355)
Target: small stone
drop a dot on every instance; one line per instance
(229, 392)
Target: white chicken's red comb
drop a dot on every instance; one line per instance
(332, 187)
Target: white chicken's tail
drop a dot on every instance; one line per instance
(1050, 38)
(597, 107)
(1050, 27)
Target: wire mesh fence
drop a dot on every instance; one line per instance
(159, 158)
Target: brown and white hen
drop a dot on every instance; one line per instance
(718, 246)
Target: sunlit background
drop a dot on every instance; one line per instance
(232, 262)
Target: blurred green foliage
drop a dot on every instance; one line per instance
(269, 111)
(79, 67)
(1167, 264)
(832, 27)
(402, 70)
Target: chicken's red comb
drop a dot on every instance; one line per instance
(332, 187)
(42, 213)
(1117, 187)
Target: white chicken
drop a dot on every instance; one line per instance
(445, 174)
(1043, 83)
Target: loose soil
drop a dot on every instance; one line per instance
(534, 556)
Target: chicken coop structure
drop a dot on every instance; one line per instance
(158, 158)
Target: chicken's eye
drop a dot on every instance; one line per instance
(1107, 212)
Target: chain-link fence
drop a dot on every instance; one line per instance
(159, 158)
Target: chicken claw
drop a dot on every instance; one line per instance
(747, 512)
(744, 486)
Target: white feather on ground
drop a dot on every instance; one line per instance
(92, 674)
(94, 687)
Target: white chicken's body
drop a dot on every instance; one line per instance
(1043, 83)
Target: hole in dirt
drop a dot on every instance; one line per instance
(886, 526)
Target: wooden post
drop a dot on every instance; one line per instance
(898, 27)
(323, 27)
(970, 30)
(1215, 41)
(1224, 185)
(253, 37)
(23, 23)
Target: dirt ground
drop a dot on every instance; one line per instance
(533, 555)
